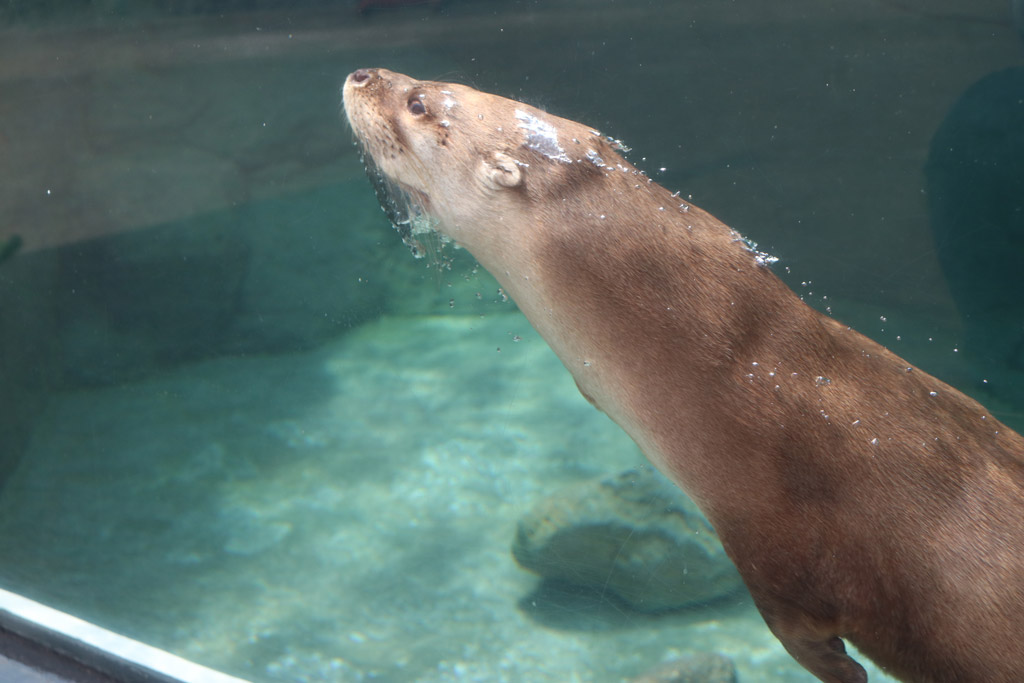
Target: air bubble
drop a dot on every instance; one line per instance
(541, 136)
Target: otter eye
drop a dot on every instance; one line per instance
(416, 107)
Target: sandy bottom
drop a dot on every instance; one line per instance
(343, 515)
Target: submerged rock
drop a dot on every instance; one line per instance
(703, 667)
(633, 534)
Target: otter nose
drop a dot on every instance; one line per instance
(360, 76)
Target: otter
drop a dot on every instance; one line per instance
(861, 499)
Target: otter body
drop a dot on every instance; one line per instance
(860, 498)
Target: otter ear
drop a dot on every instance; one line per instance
(500, 170)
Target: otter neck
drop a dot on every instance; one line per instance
(621, 298)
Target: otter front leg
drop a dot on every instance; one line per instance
(810, 638)
(825, 658)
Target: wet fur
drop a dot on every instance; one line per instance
(860, 498)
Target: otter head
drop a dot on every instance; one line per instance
(469, 164)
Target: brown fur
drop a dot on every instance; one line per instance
(860, 498)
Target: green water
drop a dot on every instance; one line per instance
(240, 422)
(343, 514)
